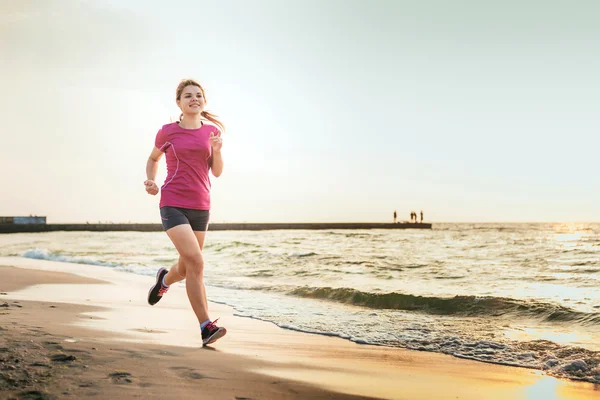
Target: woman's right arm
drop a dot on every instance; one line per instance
(151, 170)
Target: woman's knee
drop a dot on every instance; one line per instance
(194, 263)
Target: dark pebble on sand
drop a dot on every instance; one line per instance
(4, 305)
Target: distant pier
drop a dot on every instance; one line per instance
(17, 228)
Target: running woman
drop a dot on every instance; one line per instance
(192, 147)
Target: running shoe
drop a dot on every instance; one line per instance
(158, 290)
(211, 333)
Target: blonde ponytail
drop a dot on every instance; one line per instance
(213, 118)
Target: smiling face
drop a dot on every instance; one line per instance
(191, 100)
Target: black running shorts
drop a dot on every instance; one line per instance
(173, 216)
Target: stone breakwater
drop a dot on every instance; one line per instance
(16, 228)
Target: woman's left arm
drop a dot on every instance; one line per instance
(216, 160)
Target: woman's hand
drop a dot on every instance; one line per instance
(151, 187)
(216, 142)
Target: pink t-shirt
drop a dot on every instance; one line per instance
(188, 154)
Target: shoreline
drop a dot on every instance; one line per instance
(116, 313)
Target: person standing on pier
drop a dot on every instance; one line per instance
(193, 148)
(421, 216)
(395, 216)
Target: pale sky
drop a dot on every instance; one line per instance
(336, 110)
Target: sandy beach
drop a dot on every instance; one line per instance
(73, 331)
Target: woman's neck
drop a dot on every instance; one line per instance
(191, 121)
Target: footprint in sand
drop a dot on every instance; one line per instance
(78, 351)
(52, 345)
(63, 358)
(165, 353)
(40, 364)
(189, 373)
(194, 375)
(146, 330)
(36, 395)
(120, 377)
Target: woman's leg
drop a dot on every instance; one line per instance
(191, 266)
(201, 237)
(177, 271)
